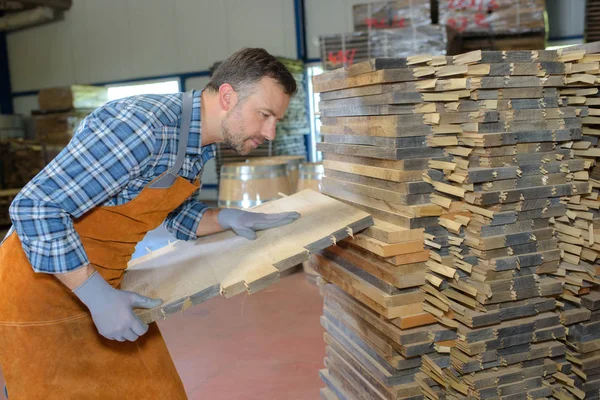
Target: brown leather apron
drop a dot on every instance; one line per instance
(49, 345)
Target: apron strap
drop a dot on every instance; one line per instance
(167, 179)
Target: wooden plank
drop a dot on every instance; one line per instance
(174, 275)
(383, 249)
(390, 233)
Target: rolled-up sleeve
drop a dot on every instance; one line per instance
(109, 148)
(184, 220)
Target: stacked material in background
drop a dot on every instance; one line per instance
(12, 126)
(377, 330)
(61, 110)
(345, 49)
(391, 14)
(386, 29)
(20, 161)
(592, 20)
(496, 24)
(295, 125)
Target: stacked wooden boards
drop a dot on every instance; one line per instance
(496, 17)
(514, 177)
(376, 163)
(345, 49)
(376, 329)
(391, 14)
(496, 24)
(508, 164)
(62, 109)
(577, 235)
(11, 126)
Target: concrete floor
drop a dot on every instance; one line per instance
(268, 345)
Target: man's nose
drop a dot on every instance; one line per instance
(268, 131)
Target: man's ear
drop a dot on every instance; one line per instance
(227, 97)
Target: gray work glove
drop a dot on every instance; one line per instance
(112, 309)
(245, 223)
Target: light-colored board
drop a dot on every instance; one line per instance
(185, 273)
(383, 249)
(390, 233)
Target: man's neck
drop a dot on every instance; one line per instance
(209, 119)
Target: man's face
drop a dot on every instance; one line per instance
(251, 122)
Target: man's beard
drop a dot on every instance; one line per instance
(233, 131)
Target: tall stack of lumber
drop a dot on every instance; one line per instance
(62, 109)
(505, 140)
(496, 24)
(515, 177)
(579, 270)
(376, 329)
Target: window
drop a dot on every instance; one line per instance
(315, 119)
(154, 87)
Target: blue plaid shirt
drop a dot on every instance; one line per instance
(116, 151)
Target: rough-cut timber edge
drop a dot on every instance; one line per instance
(181, 305)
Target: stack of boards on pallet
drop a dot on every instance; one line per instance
(11, 126)
(379, 337)
(20, 160)
(496, 24)
(385, 29)
(505, 137)
(61, 110)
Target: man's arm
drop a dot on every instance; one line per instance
(108, 149)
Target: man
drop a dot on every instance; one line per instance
(66, 330)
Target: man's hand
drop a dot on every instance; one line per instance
(245, 223)
(112, 309)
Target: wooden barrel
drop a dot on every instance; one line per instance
(245, 185)
(292, 162)
(310, 176)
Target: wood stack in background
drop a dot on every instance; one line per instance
(20, 161)
(391, 14)
(12, 126)
(345, 49)
(496, 24)
(592, 20)
(61, 110)
(387, 29)
(374, 318)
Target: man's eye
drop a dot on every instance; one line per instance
(264, 115)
